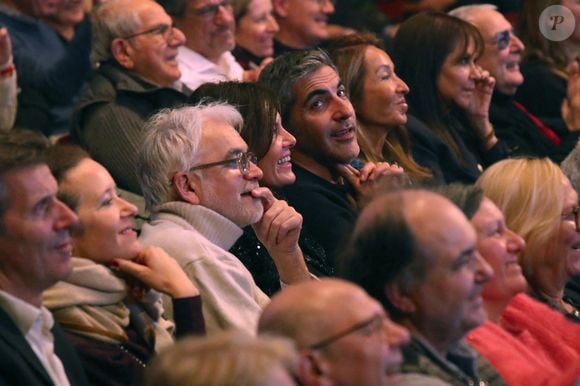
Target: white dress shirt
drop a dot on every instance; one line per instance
(36, 324)
(197, 69)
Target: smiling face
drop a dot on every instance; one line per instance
(153, 56)
(276, 164)
(223, 188)
(106, 220)
(323, 119)
(500, 247)
(383, 102)
(303, 23)
(35, 246)
(256, 28)
(448, 303)
(455, 82)
(209, 33)
(502, 63)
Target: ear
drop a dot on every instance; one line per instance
(400, 298)
(122, 53)
(185, 185)
(310, 369)
(280, 8)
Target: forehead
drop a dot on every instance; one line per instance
(487, 212)
(151, 13)
(490, 22)
(570, 195)
(26, 186)
(323, 79)
(218, 138)
(376, 57)
(87, 178)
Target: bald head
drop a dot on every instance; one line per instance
(308, 311)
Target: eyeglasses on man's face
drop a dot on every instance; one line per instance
(242, 161)
(163, 30)
(371, 325)
(573, 215)
(210, 11)
(502, 39)
(322, 3)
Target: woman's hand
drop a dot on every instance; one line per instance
(156, 269)
(571, 104)
(484, 83)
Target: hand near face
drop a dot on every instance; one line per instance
(571, 104)
(279, 230)
(253, 74)
(484, 83)
(371, 179)
(156, 269)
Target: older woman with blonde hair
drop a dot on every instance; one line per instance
(541, 206)
(228, 358)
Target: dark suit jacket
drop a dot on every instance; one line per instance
(19, 366)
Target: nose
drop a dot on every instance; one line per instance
(516, 243)
(516, 45)
(395, 334)
(272, 25)
(483, 271)
(224, 15)
(127, 209)
(328, 7)
(66, 218)
(402, 87)
(343, 110)
(255, 173)
(288, 139)
(177, 38)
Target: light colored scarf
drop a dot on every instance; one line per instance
(93, 302)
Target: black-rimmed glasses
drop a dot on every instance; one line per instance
(209, 11)
(241, 161)
(573, 215)
(164, 30)
(374, 323)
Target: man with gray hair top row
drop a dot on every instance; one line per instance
(201, 185)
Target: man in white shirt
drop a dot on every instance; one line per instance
(35, 253)
(209, 29)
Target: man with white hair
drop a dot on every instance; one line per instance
(524, 133)
(201, 184)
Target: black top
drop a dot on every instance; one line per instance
(328, 214)
(245, 58)
(253, 254)
(524, 138)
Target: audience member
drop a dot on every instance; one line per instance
(114, 322)
(209, 28)
(49, 86)
(429, 278)
(344, 336)
(136, 46)
(550, 67)
(303, 24)
(8, 86)
(521, 188)
(255, 30)
(378, 96)
(451, 93)
(316, 110)
(522, 131)
(228, 358)
(35, 251)
(571, 167)
(523, 338)
(201, 184)
(268, 139)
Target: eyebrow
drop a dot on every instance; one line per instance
(234, 152)
(320, 91)
(463, 257)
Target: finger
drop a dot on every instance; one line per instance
(133, 269)
(265, 195)
(349, 173)
(366, 171)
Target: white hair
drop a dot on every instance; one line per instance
(468, 12)
(171, 144)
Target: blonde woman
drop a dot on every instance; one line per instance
(541, 206)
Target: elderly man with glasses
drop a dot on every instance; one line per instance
(135, 46)
(201, 184)
(525, 133)
(344, 336)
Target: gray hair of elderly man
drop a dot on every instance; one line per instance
(171, 143)
(467, 12)
(571, 167)
(111, 20)
(286, 70)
